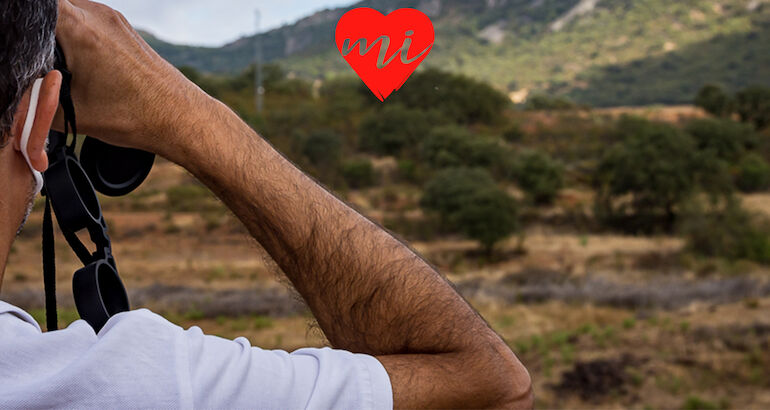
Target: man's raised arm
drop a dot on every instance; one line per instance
(369, 292)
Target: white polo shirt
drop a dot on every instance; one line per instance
(141, 360)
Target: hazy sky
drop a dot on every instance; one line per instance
(213, 23)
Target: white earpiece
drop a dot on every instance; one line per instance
(27, 130)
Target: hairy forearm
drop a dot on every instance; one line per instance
(366, 288)
(369, 292)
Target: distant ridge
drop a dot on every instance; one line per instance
(600, 52)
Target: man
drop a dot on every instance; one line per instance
(405, 338)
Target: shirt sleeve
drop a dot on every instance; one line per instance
(233, 374)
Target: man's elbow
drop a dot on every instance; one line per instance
(518, 392)
(512, 383)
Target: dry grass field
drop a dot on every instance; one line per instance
(601, 320)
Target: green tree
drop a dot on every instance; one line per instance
(539, 175)
(514, 133)
(358, 173)
(191, 73)
(725, 138)
(445, 192)
(322, 147)
(457, 98)
(753, 105)
(541, 102)
(728, 232)
(454, 146)
(392, 129)
(488, 216)
(469, 201)
(643, 178)
(714, 100)
(342, 100)
(753, 173)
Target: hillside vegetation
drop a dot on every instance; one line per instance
(598, 52)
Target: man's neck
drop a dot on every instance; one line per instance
(7, 234)
(8, 216)
(5, 241)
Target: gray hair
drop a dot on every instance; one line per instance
(27, 41)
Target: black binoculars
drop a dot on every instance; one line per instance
(71, 183)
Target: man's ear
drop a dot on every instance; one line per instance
(48, 102)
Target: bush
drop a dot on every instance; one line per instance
(726, 139)
(514, 133)
(753, 173)
(409, 171)
(731, 233)
(192, 198)
(453, 146)
(484, 152)
(539, 176)
(488, 216)
(643, 178)
(457, 98)
(395, 127)
(358, 173)
(447, 190)
(322, 147)
(714, 100)
(696, 403)
(542, 102)
(753, 105)
(468, 201)
(445, 147)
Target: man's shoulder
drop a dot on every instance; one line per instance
(136, 329)
(14, 313)
(136, 358)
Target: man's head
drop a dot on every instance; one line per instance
(26, 53)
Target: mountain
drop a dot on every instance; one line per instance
(600, 52)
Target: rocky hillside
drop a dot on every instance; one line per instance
(600, 52)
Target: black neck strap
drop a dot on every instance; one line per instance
(49, 268)
(49, 253)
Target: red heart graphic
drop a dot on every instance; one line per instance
(384, 50)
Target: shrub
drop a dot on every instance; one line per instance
(488, 216)
(644, 177)
(192, 198)
(731, 233)
(284, 121)
(395, 127)
(542, 102)
(447, 190)
(191, 73)
(457, 98)
(468, 201)
(514, 133)
(539, 175)
(322, 147)
(484, 152)
(453, 146)
(753, 105)
(727, 139)
(753, 173)
(714, 100)
(409, 171)
(358, 173)
(696, 403)
(445, 147)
